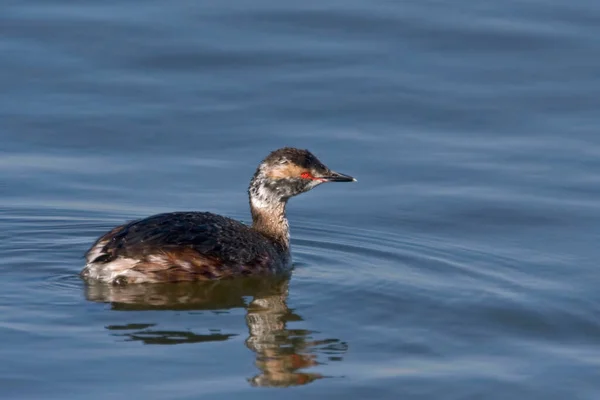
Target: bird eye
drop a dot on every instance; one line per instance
(306, 175)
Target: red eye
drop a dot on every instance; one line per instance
(306, 175)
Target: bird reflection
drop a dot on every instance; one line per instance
(282, 355)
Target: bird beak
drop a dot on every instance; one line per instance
(333, 176)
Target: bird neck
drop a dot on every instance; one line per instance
(272, 223)
(268, 212)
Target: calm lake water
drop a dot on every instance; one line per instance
(462, 265)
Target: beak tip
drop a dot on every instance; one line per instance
(337, 177)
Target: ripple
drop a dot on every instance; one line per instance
(67, 282)
(424, 261)
(469, 291)
(424, 298)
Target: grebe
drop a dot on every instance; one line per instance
(194, 246)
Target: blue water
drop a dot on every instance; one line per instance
(461, 265)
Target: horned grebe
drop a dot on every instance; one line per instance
(194, 246)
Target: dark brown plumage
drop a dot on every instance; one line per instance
(184, 246)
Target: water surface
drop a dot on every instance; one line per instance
(462, 265)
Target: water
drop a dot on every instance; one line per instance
(462, 265)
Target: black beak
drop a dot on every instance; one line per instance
(333, 176)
